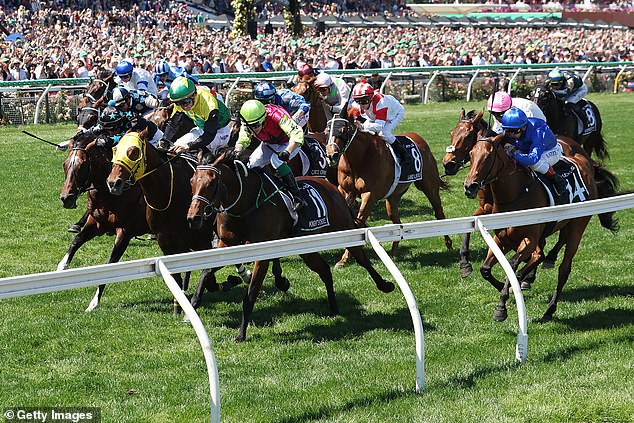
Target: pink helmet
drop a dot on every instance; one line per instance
(500, 102)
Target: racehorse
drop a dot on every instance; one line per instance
(167, 193)
(251, 209)
(463, 138)
(317, 118)
(366, 170)
(563, 122)
(515, 187)
(86, 168)
(99, 88)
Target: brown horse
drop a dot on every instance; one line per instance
(514, 187)
(563, 122)
(366, 170)
(251, 209)
(167, 193)
(99, 88)
(86, 168)
(317, 119)
(463, 138)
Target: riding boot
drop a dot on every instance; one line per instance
(559, 184)
(293, 189)
(401, 152)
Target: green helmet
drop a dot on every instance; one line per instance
(253, 112)
(181, 88)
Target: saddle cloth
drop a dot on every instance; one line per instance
(311, 218)
(590, 119)
(577, 189)
(314, 161)
(411, 173)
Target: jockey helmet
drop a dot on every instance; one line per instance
(161, 68)
(499, 102)
(265, 92)
(181, 88)
(112, 120)
(306, 69)
(556, 78)
(363, 91)
(124, 68)
(120, 96)
(253, 112)
(514, 118)
(323, 80)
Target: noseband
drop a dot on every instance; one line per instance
(331, 138)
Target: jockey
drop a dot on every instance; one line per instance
(500, 102)
(531, 142)
(210, 115)
(113, 123)
(280, 139)
(569, 88)
(306, 72)
(133, 78)
(334, 91)
(138, 102)
(293, 103)
(164, 75)
(382, 113)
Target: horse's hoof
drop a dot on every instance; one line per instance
(232, 280)
(61, 267)
(246, 276)
(282, 283)
(186, 319)
(548, 264)
(525, 286)
(465, 270)
(386, 287)
(74, 229)
(500, 314)
(93, 305)
(339, 265)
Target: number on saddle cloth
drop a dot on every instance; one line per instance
(570, 172)
(413, 172)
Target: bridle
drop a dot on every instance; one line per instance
(210, 208)
(106, 85)
(72, 171)
(331, 136)
(473, 133)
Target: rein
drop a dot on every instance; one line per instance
(209, 204)
(169, 202)
(331, 137)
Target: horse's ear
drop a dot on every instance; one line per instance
(201, 156)
(144, 132)
(499, 137)
(462, 113)
(478, 117)
(98, 102)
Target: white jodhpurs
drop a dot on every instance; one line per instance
(549, 158)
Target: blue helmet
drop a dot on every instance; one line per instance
(264, 91)
(120, 96)
(556, 75)
(124, 68)
(514, 118)
(162, 68)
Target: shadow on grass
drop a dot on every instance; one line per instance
(328, 412)
(595, 293)
(601, 319)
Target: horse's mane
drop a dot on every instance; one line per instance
(223, 155)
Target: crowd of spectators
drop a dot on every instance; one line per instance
(67, 42)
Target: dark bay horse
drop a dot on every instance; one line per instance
(514, 187)
(167, 192)
(317, 119)
(99, 88)
(251, 210)
(366, 170)
(563, 122)
(86, 168)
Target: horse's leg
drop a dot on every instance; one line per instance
(432, 192)
(317, 264)
(76, 227)
(360, 256)
(179, 280)
(523, 253)
(465, 265)
(87, 232)
(259, 273)
(243, 272)
(121, 242)
(573, 239)
(551, 257)
(207, 281)
(392, 204)
(281, 282)
(368, 201)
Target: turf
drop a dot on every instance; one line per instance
(138, 363)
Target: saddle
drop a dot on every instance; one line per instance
(570, 172)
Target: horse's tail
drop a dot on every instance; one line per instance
(599, 145)
(607, 186)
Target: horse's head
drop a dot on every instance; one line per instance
(79, 168)
(100, 87)
(88, 115)
(488, 158)
(208, 185)
(543, 97)
(463, 137)
(304, 89)
(129, 163)
(160, 116)
(340, 131)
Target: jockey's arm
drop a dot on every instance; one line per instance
(533, 154)
(244, 139)
(294, 132)
(209, 132)
(378, 123)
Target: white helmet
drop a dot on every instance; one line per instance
(323, 80)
